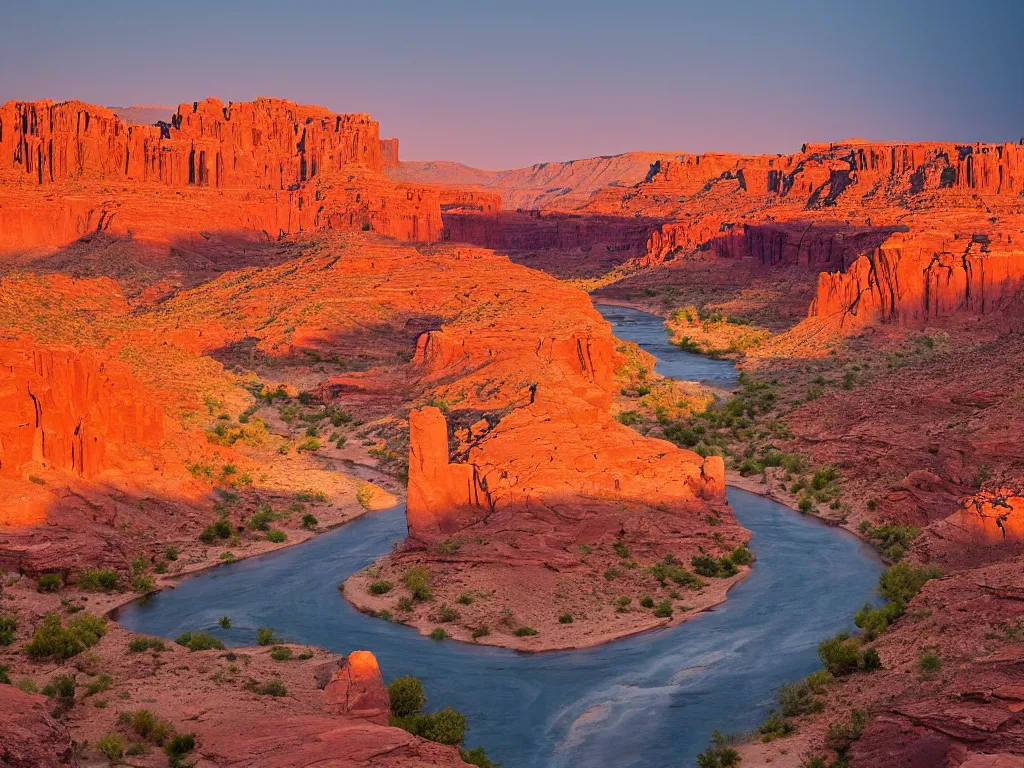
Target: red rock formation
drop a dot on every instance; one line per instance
(389, 153)
(70, 410)
(29, 737)
(279, 168)
(357, 689)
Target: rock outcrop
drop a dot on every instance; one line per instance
(357, 689)
(29, 736)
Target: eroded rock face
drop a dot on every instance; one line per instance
(357, 689)
(29, 737)
(277, 168)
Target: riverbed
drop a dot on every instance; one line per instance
(650, 700)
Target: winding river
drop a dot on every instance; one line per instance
(650, 700)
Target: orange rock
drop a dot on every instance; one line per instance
(357, 689)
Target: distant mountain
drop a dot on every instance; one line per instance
(560, 186)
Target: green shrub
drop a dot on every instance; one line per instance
(99, 580)
(171, 553)
(272, 688)
(902, 582)
(874, 621)
(840, 655)
(5, 678)
(439, 634)
(147, 725)
(260, 521)
(417, 579)
(225, 622)
(526, 632)
(647, 601)
(406, 696)
(720, 568)
(51, 640)
(482, 631)
(775, 726)
(8, 626)
(801, 698)
(446, 613)
(280, 653)
(718, 754)
(265, 636)
(140, 644)
(199, 641)
(380, 587)
(405, 604)
(565, 618)
(60, 687)
(50, 582)
(309, 444)
(871, 661)
(806, 504)
(220, 529)
(110, 744)
(666, 571)
(622, 550)
(364, 495)
(464, 599)
(179, 745)
(929, 663)
(477, 757)
(99, 685)
(612, 573)
(276, 537)
(741, 556)
(629, 418)
(309, 521)
(664, 610)
(143, 583)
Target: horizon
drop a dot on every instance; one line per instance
(493, 88)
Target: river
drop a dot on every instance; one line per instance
(651, 700)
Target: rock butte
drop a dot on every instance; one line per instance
(152, 274)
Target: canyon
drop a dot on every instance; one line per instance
(216, 327)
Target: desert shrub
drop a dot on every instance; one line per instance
(870, 660)
(276, 536)
(741, 556)
(439, 634)
(171, 553)
(478, 757)
(199, 641)
(622, 550)
(647, 601)
(666, 571)
(225, 622)
(801, 698)
(141, 644)
(806, 504)
(99, 685)
(280, 653)
(51, 640)
(50, 582)
(179, 745)
(718, 754)
(775, 726)
(902, 582)
(221, 529)
(260, 521)
(629, 418)
(482, 631)
(148, 725)
(364, 495)
(8, 626)
(380, 587)
(874, 621)
(565, 618)
(612, 574)
(406, 696)
(929, 663)
(99, 580)
(840, 655)
(449, 547)
(892, 541)
(446, 613)
(405, 604)
(526, 632)
(110, 744)
(309, 521)
(464, 599)
(271, 688)
(5, 678)
(417, 579)
(61, 687)
(143, 583)
(664, 610)
(265, 636)
(719, 568)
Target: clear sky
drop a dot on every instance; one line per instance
(501, 85)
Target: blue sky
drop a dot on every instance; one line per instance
(504, 85)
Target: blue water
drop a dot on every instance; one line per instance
(651, 700)
(649, 332)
